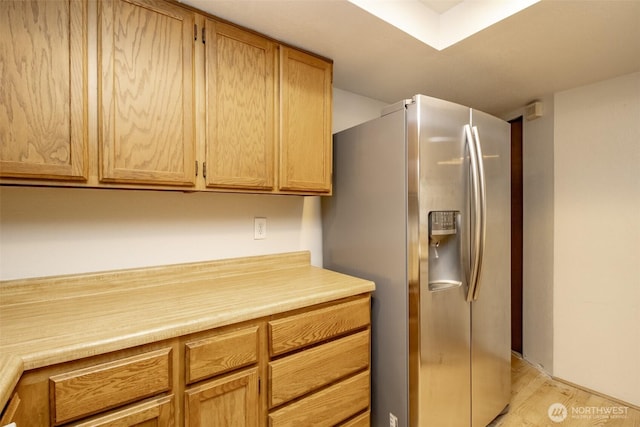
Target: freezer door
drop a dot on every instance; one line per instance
(439, 312)
(490, 310)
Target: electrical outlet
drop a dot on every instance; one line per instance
(259, 228)
(393, 420)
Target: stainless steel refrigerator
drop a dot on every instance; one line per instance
(421, 206)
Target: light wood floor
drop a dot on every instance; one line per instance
(533, 392)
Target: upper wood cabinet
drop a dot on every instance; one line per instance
(240, 75)
(305, 145)
(146, 120)
(152, 94)
(43, 89)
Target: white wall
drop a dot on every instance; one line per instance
(537, 274)
(51, 231)
(597, 237)
(350, 109)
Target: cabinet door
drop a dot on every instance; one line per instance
(156, 413)
(228, 401)
(146, 118)
(43, 89)
(305, 146)
(240, 96)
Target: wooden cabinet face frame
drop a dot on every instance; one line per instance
(146, 129)
(43, 89)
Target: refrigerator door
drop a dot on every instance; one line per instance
(439, 337)
(490, 309)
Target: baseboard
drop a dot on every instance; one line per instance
(597, 393)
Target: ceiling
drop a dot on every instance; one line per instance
(440, 6)
(551, 46)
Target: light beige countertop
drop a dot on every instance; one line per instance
(52, 320)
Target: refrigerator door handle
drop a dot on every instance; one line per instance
(476, 228)
(483, 212)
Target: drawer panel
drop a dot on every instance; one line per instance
(158, 412)
(327, 407)
(311, 369)
(303, 329)
(222, 353)
(97, 388)
(362, 420)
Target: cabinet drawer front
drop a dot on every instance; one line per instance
(158, 412)
(327, 407)
(311, 369)
(307, 328)
(97, 388)
(215, 355)
(362, 420)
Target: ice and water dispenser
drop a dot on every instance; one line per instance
(444, 250)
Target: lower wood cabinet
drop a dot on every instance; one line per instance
(309, 367)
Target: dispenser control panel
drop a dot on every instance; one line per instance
(444, 262)
(442, 223)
